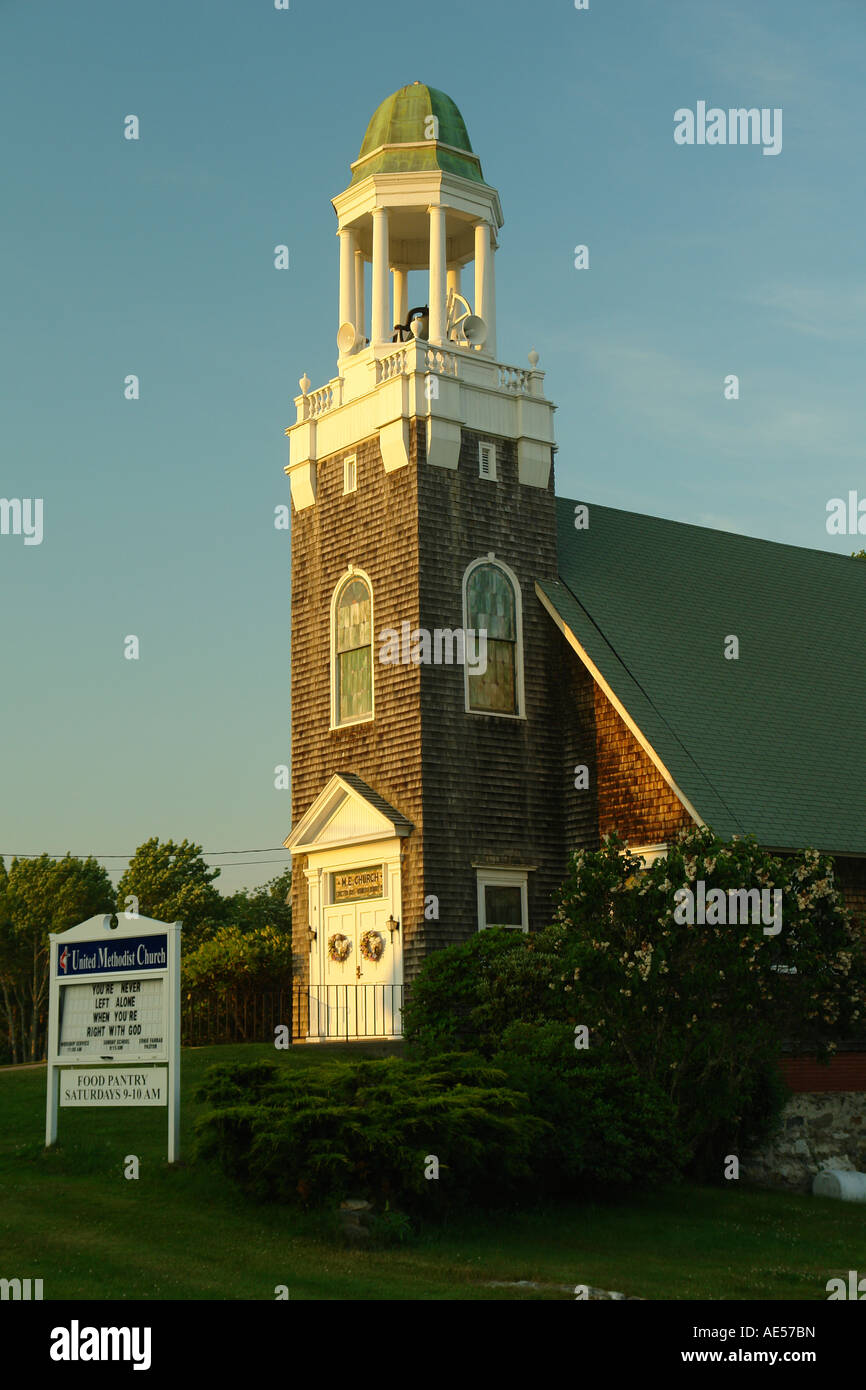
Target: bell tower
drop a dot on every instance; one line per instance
(421, 479)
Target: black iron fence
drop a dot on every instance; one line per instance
(348, 1011)
(234, 1016)
(316, 1011)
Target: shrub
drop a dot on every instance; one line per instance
(366, 1129)
(609, 1127)
(466, 996)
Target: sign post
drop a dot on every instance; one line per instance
(114, 1018)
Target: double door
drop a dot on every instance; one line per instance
(360, 995)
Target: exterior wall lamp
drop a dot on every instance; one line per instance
(392, 926)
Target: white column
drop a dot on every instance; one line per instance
(380, 329)
(401, 295)
(347, 275)
(490, 312)
(360, 308)
(437, 274)
(485, 293)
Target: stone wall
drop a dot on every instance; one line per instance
(820, 1130)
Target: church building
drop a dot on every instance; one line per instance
(485, 676)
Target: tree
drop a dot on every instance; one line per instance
(269, 906)
(248, 956)
(245, 963)
(39, 896)
(173, 883)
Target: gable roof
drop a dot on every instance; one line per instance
(346, 811)
(772, 744)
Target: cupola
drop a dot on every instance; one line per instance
(417, 200)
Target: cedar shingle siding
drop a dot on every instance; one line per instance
(375, 528)
(626, 793)
(633, 797)
(479, 789)
(490, 784)
(476, 787)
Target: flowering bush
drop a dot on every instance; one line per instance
(706, 1007)
(700, 1009)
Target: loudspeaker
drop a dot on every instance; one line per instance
(348, 339)
(474, 330)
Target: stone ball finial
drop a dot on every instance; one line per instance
(304, 384)
(533, 359)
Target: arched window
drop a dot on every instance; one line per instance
(352, 650)
(491, 603)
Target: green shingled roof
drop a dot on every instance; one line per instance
(400, 121)
(773, 744)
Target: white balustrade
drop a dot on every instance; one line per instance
(418, 356)
(514, 378)
(319, 402)
(442, 362)
(391, 366)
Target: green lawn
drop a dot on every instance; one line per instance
(69, 1217)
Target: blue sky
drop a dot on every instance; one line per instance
(155, 257)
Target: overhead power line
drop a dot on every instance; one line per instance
(205, 854)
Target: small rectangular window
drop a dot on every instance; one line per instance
(503, 899)
(502, 905)
(487, 461)
(350, 474)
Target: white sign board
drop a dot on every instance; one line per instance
(114, 1086)
(115, 1016)
(114, 997)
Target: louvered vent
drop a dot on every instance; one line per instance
(487, 461)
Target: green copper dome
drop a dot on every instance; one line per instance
(402, 121)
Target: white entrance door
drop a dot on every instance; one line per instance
(360, 997)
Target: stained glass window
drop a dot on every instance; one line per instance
(491, 605)
(353, 654)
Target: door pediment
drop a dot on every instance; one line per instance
(346, 812)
